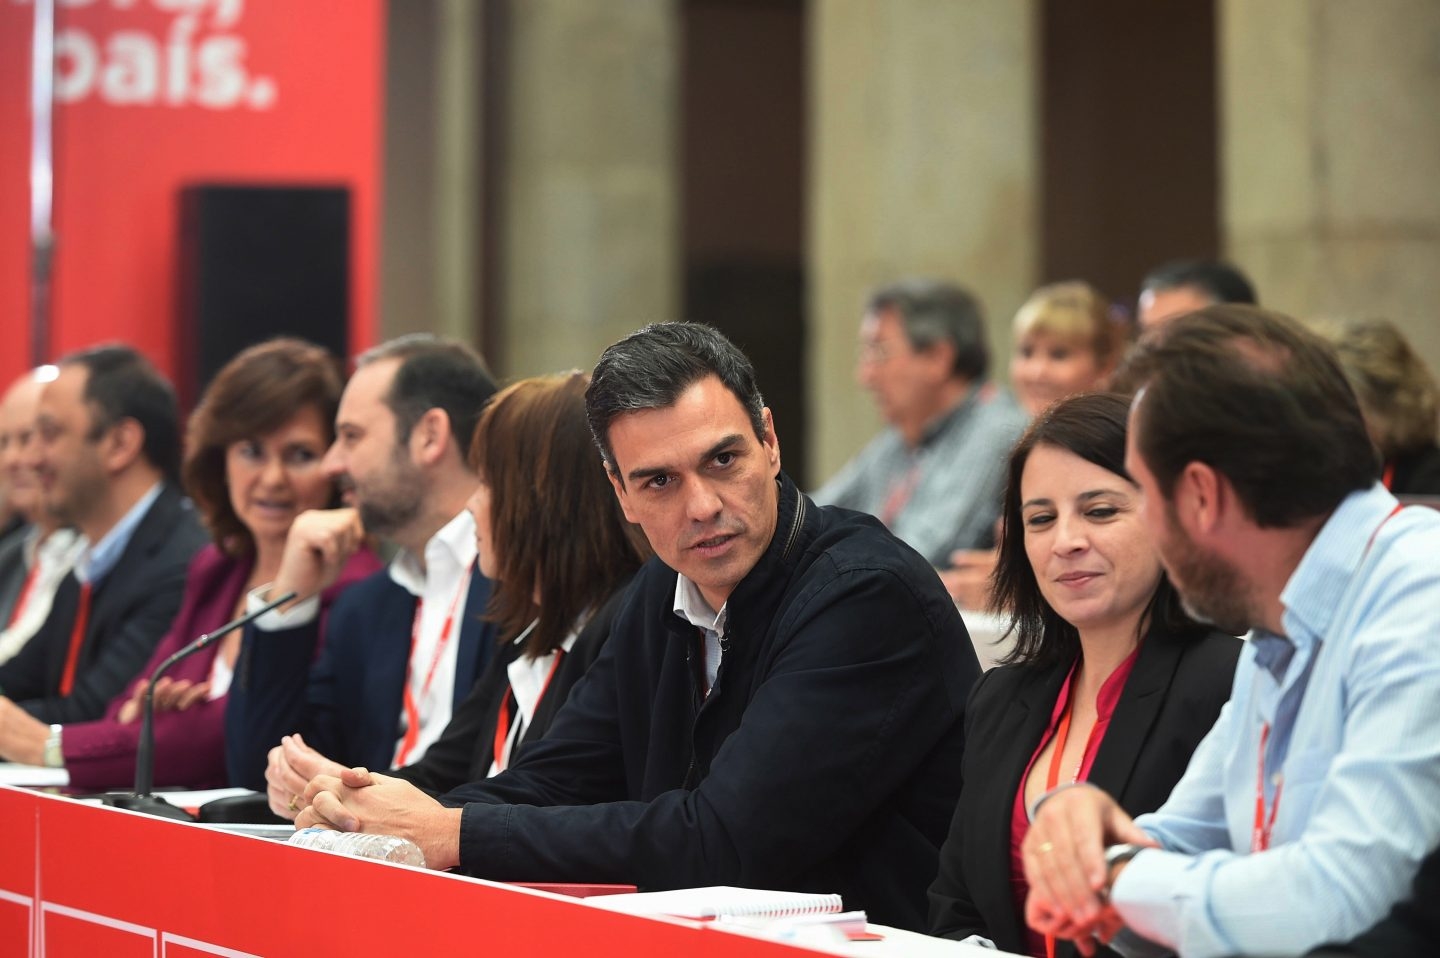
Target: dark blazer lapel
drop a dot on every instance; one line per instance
(1014, 740)
(1135, 713)
(366, 680)
(128, 577)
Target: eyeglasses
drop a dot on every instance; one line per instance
(870, 353)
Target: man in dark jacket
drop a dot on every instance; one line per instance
(107, 454)
(781, 701)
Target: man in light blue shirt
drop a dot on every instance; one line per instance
(1305, 813)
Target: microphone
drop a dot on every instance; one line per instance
(142, 800)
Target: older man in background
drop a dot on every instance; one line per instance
(934, 475)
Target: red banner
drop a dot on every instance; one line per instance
(85, 881)
(152, 95)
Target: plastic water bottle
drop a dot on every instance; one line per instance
(387, 848)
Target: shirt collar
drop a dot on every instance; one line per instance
(98, 561)
(448, 553)
(566, 645)
(1320, 582)
(691, 606)
(64, 544)
(935, 427)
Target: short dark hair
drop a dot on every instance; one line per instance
(933, 311)
(254, 394)
(651, 367)
(1221, 281)
(554, 522)
(434, 373)
(1092, 426)
(122, 384)
(1257, 397)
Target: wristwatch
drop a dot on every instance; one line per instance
(54, 757)
(1116, 855)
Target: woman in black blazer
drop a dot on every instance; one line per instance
(1109, 681)
(551, 536)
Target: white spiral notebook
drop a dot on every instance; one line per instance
(720, 901)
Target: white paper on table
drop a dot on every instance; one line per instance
(197, 798)
(34, 776)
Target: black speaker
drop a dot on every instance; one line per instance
(258, 262)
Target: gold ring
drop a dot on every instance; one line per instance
(294, 803)
(1045, 848)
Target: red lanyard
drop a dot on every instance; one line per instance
(898, 497)
(1260, 834)
(1387, 478)
(25, 591)
(502, 722)
(1052, 777)
(409, 703)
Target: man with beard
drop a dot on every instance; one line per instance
(1305, 813)
(780, 703)
(404, 646)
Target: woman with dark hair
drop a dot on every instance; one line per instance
(1109, 680)
(1066, 342)
(551, 537)
(252, 464)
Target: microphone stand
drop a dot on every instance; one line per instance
(142, 800)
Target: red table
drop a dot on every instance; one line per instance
(85, 880)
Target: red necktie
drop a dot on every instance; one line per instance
(77, 638)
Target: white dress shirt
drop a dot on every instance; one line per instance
(441, 586)
(691, 606)
(48, 561)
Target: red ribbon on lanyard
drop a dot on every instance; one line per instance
(502, 722)
(409, 702)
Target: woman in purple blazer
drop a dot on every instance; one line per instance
(252, 464)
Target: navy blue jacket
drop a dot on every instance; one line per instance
(826, 757)
(347, 703)
(130, 612)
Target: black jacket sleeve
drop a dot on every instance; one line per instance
(953, 913)
(267, 698)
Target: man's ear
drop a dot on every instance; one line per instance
(122, 443)
(770, 442)
(938, 359)
(430, 438)
(1201, 499)
(621, 493)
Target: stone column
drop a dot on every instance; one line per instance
(924, 160)
(429, 226)
(590, 244)
(1330, 123)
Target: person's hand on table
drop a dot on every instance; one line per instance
(289, 769)
(359, 801)
(968, 578)
(1064, 856)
